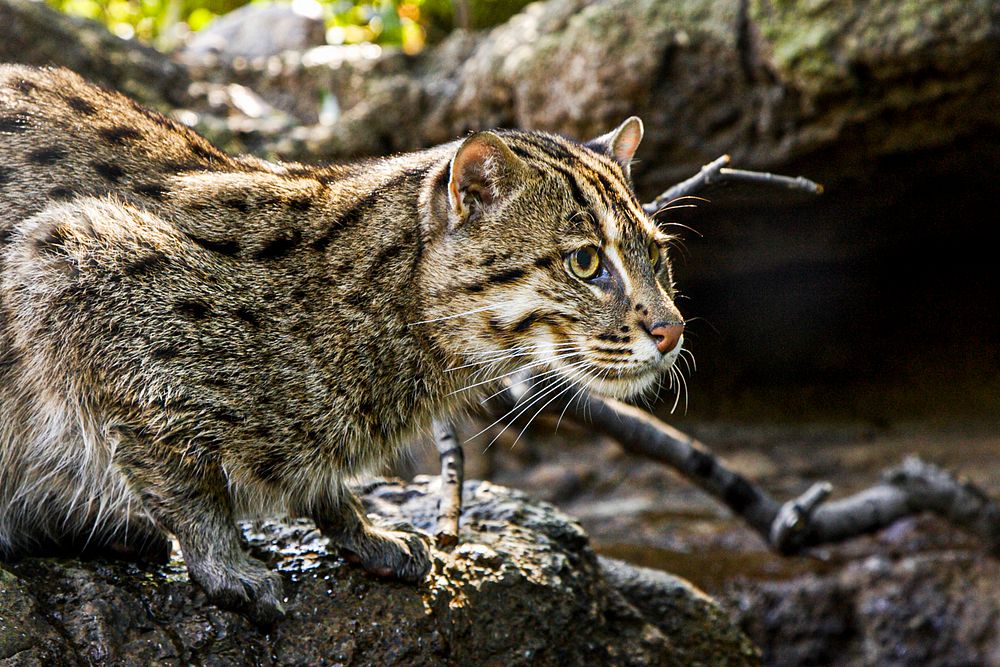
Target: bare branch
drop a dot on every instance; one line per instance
(717, 171)
(452, 475)
(687, 188)
(641, 433)
(912, 488)
(766, 178)
(802, 522)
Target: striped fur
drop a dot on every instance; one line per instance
(187, 338)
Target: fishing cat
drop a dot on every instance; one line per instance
(189, 338)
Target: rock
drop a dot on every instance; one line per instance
(920, 592)
(523, 587)
(679, 609)
(26, 638)
(35, 34)
(926, 610)
(259, 31)
(766, 82)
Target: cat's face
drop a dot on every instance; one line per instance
(557, 269)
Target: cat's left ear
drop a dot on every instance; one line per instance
(621, 143)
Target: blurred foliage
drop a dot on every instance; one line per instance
(405, 23)
(164, 23)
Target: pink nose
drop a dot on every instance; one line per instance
(667, 336)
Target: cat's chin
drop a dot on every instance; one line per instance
(625, 387)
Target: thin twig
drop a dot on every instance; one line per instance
(452, 474)
(717, 171)
(766, 178)
(688, 187)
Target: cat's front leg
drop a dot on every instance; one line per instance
(398, 554)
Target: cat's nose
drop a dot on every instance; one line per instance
(666, 335)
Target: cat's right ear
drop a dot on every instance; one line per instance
(621, 143)
(484, 173)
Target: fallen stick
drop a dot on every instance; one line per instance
(802, 522)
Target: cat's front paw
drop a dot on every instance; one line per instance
(396, 554)
(249, 588)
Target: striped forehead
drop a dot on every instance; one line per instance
(597, 184)
(619, 214)
(618, 217)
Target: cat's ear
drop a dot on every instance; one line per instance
(483, 173)
(621, 143)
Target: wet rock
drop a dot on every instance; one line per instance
(920, 592)
(678, 608)
(523, 587)
(25, 636)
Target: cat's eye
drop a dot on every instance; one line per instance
(584, 262)
(654, 254)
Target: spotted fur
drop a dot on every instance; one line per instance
(187, 338)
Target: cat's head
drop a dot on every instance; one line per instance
(541, 258)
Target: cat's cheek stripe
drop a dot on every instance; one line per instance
(612, 350)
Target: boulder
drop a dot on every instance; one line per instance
(33, 33)
(769, 82)
(258, 31)
(922, 610)
(522, 588)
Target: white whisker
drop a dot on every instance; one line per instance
(539, 376)
(468, 312)
(567, 386)
(518, 348)
(681, 357)
(558, 384)
(686, 392)
(533, 400)
(694, 363)
(678, 224)
(582, 389)
(516, 371)
(674, 207)
(503, 357)
(677, 391)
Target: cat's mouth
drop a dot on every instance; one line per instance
(630, 378)
(615, 383)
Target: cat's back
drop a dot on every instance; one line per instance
(62, 137)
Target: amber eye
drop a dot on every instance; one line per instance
(654, 254)
(584, 262)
